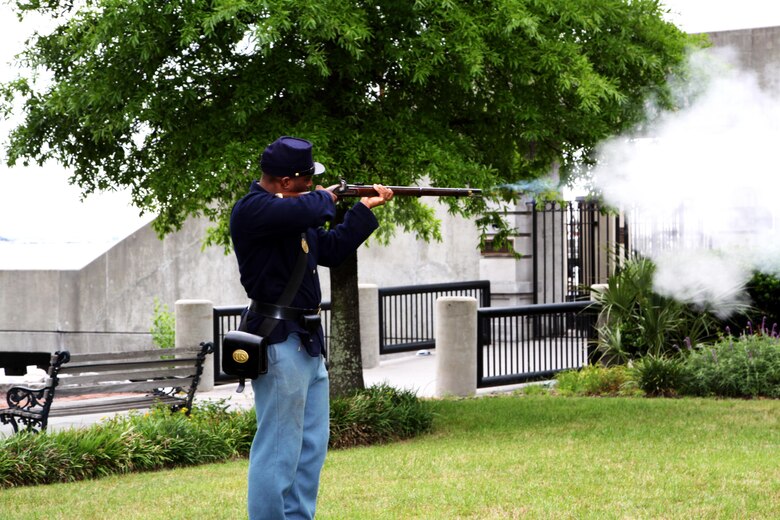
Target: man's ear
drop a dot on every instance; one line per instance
(284, 182)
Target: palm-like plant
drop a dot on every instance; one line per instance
(635, 321)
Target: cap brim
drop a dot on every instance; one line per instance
(318, 168)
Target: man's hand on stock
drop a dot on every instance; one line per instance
(330, 189)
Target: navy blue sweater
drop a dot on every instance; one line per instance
(266, 233)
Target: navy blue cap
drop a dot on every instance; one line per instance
(289, 157)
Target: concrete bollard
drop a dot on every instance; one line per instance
(194, 324)
(456, 346)
(369, 324)
(596, 289)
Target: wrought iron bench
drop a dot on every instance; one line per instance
(114, 381)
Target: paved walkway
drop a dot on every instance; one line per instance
(415, 371)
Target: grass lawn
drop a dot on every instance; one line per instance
(498, 457)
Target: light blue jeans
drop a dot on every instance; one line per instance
(288, 451)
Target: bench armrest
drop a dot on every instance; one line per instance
(25, 398)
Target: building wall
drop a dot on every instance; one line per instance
(409, 261)
(511, 279)
(108, 305)
(756, 50)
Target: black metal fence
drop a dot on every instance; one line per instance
(406, 313)
(516, 344)
(532, 342)
(226, 318)
(651, 235)
(405, 316)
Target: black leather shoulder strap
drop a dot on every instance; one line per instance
(293, 284)
(290, 290)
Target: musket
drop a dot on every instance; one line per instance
(364, 190)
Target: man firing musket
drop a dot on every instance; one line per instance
(279, 238)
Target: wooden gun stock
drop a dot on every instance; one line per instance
(364, 190)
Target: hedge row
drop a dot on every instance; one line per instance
(212, 432)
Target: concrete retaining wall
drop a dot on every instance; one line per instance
(108, 305)
(756, 50)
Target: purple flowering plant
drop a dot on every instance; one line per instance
(745, 366)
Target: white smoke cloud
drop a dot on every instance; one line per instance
(710, 172)
(703, 278)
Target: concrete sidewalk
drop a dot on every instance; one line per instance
(414, 371)
(409, 372)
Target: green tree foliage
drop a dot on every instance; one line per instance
(176, 99)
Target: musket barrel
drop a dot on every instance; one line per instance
(421, 191)
(360, 190)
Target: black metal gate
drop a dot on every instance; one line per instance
(575, 245)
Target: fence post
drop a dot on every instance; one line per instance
(368, 294)
(596, 290)
(456, 346)
(194, 324)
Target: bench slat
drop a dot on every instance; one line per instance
(138, 386)
(59, 409)
(129, 367)
(122, 376)
(133, 354)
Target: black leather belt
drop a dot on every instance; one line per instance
(280, 312)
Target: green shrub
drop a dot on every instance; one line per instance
(596, 380)
(747, 366)
(764, 291)
(212, 432)
(534, 389)
(660, 376)
(636, 321)
(128, 442)
(377, 414)
(163, 326)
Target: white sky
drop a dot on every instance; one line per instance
(38, 206)
(45, 217)
(721, 15)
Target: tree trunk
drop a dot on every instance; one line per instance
(346, 363)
